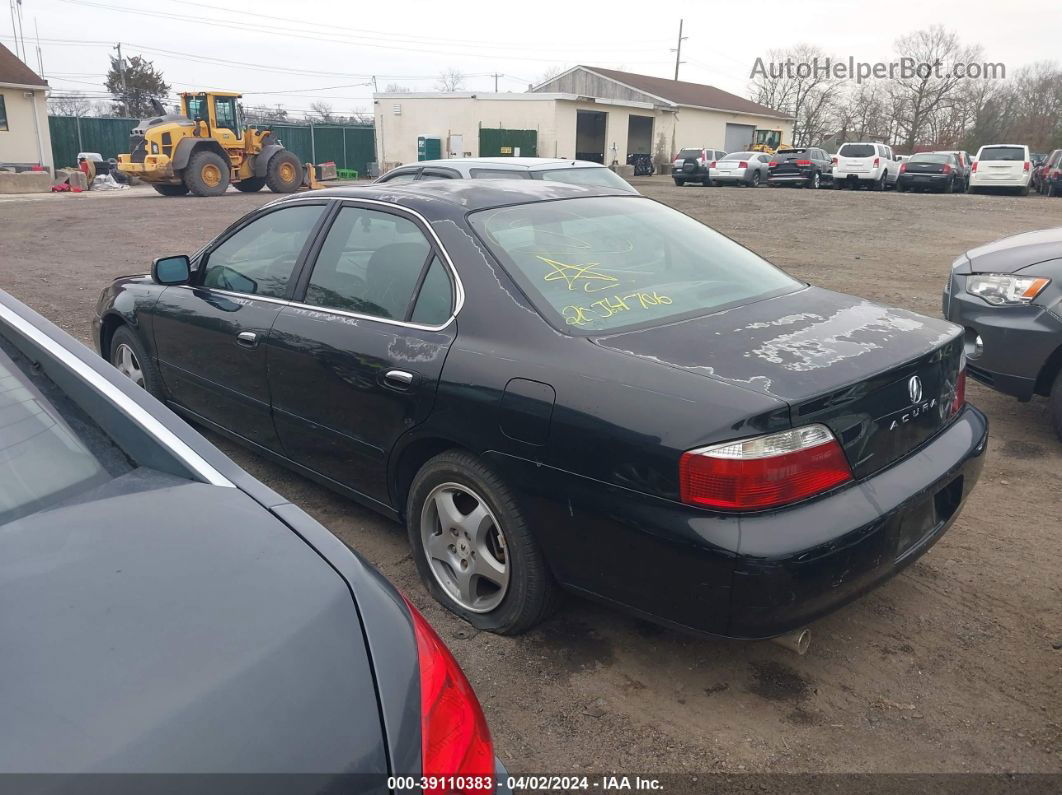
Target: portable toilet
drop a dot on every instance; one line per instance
(429, 147)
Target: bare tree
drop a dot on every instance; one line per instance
(450, 80)
(935, 84)
(806, 94)
(361, 115)
(549, 74)
(70, 103)
(322, 110)
(397, 88)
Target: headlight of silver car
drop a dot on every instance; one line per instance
(1003, 290)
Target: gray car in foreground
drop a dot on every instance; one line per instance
(1007, 295)
(171, 624)
(741, 168)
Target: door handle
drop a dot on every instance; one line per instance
(398, 378)
(247, 339)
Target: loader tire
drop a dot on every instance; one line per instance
(284, 172)
(251, 184)
(171, 190)
(207, 174)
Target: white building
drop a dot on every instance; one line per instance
(586, 113)
(24, 137)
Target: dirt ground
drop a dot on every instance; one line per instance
(953, 666)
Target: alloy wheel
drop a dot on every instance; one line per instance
(126, 362)
(465, 547)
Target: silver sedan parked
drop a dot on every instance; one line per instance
(741, 168)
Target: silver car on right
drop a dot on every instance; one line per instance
(741, 168)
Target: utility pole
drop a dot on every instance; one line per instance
(375, 90)
(125, 91)
(678, 50)
(496, 76)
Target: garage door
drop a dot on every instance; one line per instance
(738, 137)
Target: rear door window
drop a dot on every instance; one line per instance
(435, 301)
(370, 264)
(400, 177)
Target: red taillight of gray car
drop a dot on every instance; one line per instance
(764, 471)
(457, 754)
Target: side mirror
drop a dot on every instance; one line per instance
(171, 270)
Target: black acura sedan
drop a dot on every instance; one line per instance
(170, 624)
(557, 386)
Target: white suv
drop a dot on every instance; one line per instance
(865, 164)
(1002, 166)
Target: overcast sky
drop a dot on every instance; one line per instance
(289, 51)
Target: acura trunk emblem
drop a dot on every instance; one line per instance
(914, 389)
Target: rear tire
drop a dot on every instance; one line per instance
(900, 187)
(1024, 191)
(127, 355)
(284, 172)
(530, 593)
(250, 185)
(207, 174)
(879, 185)
(171, 190)
(755, 181)
(1055, 401)
(679, 182)
(950, 187)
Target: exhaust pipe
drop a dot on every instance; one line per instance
(797, 641)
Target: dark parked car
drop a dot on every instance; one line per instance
(1007, 295)
(693, 164)
(1049, 175)
(577, 172)
(166, 613)
(554, 385)
(936, 171)
(809, 167)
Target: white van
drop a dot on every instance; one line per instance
(1002, 166)
(865, 164)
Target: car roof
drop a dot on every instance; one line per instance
(515, 163)
(471, 194)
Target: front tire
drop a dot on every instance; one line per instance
(473, 547)
(284, 172)
(251, 184)
(1055, 401)
(129, 358)
(171, 190)
(207, 174)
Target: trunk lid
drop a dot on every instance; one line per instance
(787, 162)
(881, 379)
(923, 167)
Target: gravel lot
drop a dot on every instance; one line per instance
(951, 666)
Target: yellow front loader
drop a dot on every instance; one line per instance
(769, 141)
(205, 148)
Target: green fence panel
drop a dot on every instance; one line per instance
(350, 146)
(71, 134)
(499, 142)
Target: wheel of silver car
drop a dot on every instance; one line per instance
(473, 547)
(127, 363)
(465, 547)
(131, 360)
(755, 182)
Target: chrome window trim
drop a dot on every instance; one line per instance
(459, 288)
(130, 407)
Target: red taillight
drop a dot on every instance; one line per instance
(1028, 165)
(743, 164)
(973, 168)
(960, 393)
(772, 164)
(877, 162)
(454, 735)
(712, 164)
(833, 160)
(947, 168)
(803, 162)
(763, 472)
(903, 167)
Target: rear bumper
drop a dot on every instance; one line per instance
(979, 181)
(789, 177)
(753, 576)
(696, 176)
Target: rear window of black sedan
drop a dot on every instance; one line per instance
(609, 263)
